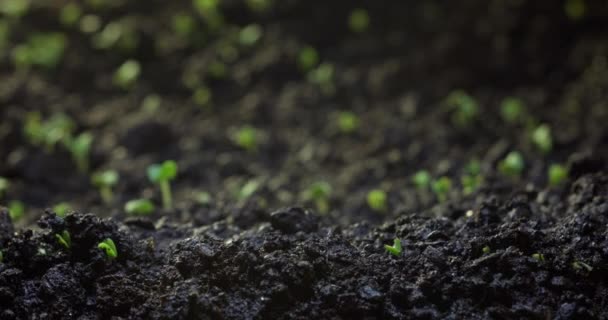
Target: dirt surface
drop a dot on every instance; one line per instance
(255, 246)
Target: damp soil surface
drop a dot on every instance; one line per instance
(244, 240)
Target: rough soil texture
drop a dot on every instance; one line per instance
(515, 248)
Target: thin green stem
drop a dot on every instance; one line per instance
(106, 194)
(165, 190)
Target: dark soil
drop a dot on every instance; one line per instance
(516, 248)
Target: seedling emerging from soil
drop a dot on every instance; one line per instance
(64, 239)
(348, 122)
(61, 209)
(202, 96)
(376, 200)
(80, 148)
(308, 58)
(70, 14)
(358, 21)
(486, 250)
(323, 76)
(126, 75)
(139, 207)
(512, 110)
(465, 108)
(512, 165)
(162, 174)
(41, 49)
(557, 174)
(473, 178)
(247, 138)
(4, 185)
(539, 257)
(250, 34)
(14, 8)
(442, 187)
(105, 181)
(48, 133)
(183, 24)
(109, 247)
(319, 192)
(16, 210)
(248, 190)
(422, 179)
(579, 265)
(395, 249)
(541, 137)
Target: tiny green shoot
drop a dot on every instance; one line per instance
(70, 14)
(377, 200)
(183, 24)
(512, 110)
(247, 138)
(358, 20)
(64, 239)
(105, 181)
(464, 108)
(396, 249)
(41, 49)
(539, 257)
(4, 185)
(162, 174)
(109, 248)
(348, 122)
(541, 137)
(319, 192)
(323, 76)
(248, 189)
(126, 75)
(250, 34)
(202, 96)
(308, 58)
(422, 180)
(557, 174)
(80, 148)
(442, 187)
(14, 8)
(512, 165)
(470, 183)
(61, 209)
(486, 250)
(139, 207)
(16, 210)
(579, 265)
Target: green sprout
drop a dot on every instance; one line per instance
(202, 96)
(541, 137)
(47, 133)
(16, 210)
(358, 20)
(105, 181)
(202, 197)
(139, 207)
(464, 106)
(41, 50)
(14, 8)
(579, 265)
(64, 239)
(80, 148)
(539, 257)
(348, 122)
(126, 75)
(209, 10)
(183, 24)
(512, 110)
(396, 249)
(422, 179)
(4, 185)
(248, 189)
(575, 9)
(259, 5)
(70, 14)
(557, 174)
(377, 199)
(247, 138)
(472, 179)
(512, 165)
(486, 250)
(308, 58)
(61, 209)
(442, 187)
(250, 34)
(319, 192)
(109, 247)
(162, 174)
(323, 76)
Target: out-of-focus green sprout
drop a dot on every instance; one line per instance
(557, 174)
(202, 96)
(183, 24)
(377, 200)
(464, 108)
(319, 192)
(61, 209)
(539, 257)
(139, 207)
(64, 239)
(348, 122)
(250, 34)
(512, 165)
(127, 74)
(105, 181)
(422, 179)
(472, 178)
(575, 9)
(308, 58)
(259, 5)
(70, 14)
(542, 139)
(90, 23)
(4, 185)
(41, 50)
(578, 265)
(323, 76)
(16, 210)
(162, 174)
(14, 8)
(358, 20)
(217, 70)
(486, 250)
(247, 138)
(58, 128)
(512, 110)
(151, 103)
(441, 187)
(210, 11)
(248, 189)
(80, 148)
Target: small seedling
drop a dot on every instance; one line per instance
(539, 257)
(470, 183)
(61, 209)
(4, 185)
(486, 250)
(162, 174)
(14, 8)
(512, 110)
(395, 249)
(48, 133)
(541, 137)
(442, 187)
(247, 138)
(259, 5)
(80, 148)
(579, 265)
(105, 181)
(64, 239)
(248, 189)
(308, 58)
(126, 75)
(202, 197)
(16, 210)
(319, 192)
(70, 14)
(250, 34)
(422, 179)
(139, 207)
(183, 24)
(323, 76)
(348, 122)
(557, 174)
(377, 199)
(512, 165)
(202, 96)
(464, 108)
(358, 21)
(41, 50)
(109, 247)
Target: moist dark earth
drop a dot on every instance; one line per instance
(514, 248)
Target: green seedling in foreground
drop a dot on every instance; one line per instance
(183, 24)
(512, 165)
(422, 179)
(319, 192)
(16, 210)
(202, 96)
(70, 14)
(486, 250)
(64, 239)
(126, 75)
(308, 58)
(4, 185)
(323, 76)
(512, 110)
(247, 138)
(250, 34)
(557, 174)
(464, 108)
(377, 200)
(348, 122)
(472, 179)
(14, 8)
(80, 148)
(61, 209)
(41, 50)
(109, 248)
(248, 189)
(442, 187)
(539, 257)
(105, 181)
(542, 139)
(579, 265)
(47, 133)
(162, 174)
(396, 249)
(139, 207)
(358, 21)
